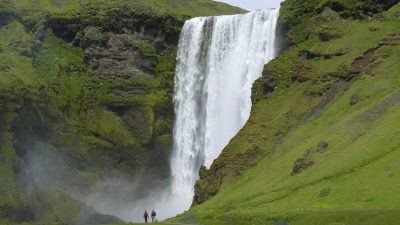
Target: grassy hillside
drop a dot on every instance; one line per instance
(323, 147)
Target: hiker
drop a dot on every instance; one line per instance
(153, 216)
(145, 216)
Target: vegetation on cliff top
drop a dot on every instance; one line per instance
(294, 15)
(35, 11)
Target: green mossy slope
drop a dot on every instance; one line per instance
(323, 147)
(36, 11)
(294, 15)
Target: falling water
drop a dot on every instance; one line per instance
(219, 58)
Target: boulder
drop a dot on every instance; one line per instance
(301, 164)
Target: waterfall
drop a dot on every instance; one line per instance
(219, 58)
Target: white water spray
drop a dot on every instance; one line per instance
(219, 58)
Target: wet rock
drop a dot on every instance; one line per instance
(119, 21)
(309, 54)
(270, 83)
(361, 63)
(203, 172)
(90, 36)
(301, 71)
(301, 164)
(209, 183)
(210, 180)
(116, 55)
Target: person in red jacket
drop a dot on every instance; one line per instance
(145, 216)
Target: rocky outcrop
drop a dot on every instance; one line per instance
(208, 184)
(119, 57)
(213, 178)
(124, 52)
(301, 164)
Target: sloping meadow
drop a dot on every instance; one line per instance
(321, 145)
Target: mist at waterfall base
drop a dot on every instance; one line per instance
(218, 60)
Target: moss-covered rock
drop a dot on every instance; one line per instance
(85, 95)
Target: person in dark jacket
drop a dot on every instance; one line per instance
(153, 216)
(145, 216)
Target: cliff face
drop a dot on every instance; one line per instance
(85, 97)
(312, 145)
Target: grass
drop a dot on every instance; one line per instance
(34, 12)
(354, 181)
(5, 222)
(295, 15)
(16, 67)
